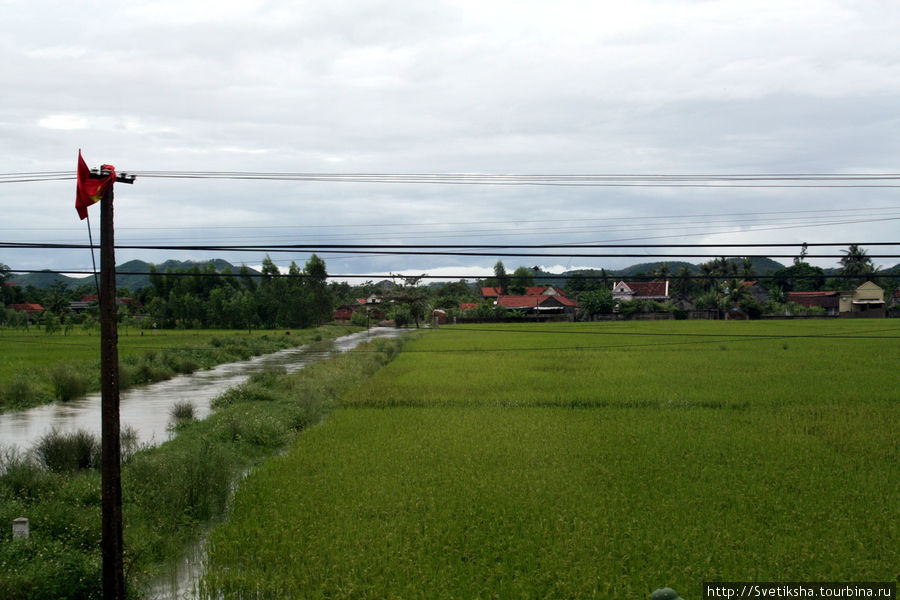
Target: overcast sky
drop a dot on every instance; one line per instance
(526, 87)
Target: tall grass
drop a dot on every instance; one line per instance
(74, 451)
(182, 411)
(69, 382)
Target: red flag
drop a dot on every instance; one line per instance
(88, 189)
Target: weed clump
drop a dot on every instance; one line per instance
(182, 411)
(62, 452)
(68, 382)
(20, 390)
(185, 484)
(21, 477)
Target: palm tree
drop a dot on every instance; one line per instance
(707, 270)
(855, 263)
(683, 284)
(748, 268)
(662, 272)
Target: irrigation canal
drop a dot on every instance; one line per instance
(146, 409)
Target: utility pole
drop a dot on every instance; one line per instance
(110, 464)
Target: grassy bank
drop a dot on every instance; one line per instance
(170, 492)
(39, 369)
(582, 461)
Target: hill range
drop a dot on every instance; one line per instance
(135, 274)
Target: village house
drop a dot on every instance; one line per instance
(27, 307)
(370, 304)
(541, 304)
(865, 301)
(757, 291)
(82, 304)
(542, 299)
(642, 290)
(830, 301)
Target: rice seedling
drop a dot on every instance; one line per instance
(582, 461)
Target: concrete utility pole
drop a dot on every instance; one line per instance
(110, 464)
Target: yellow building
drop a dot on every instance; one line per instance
(865, 301)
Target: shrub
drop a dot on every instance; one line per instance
(187, 484)
(68, 382)
(254, 429)
(180, 362)
(181, 411)
(128, 443)
(18, 391)
(268, 377)
(21, 477)
(73, 451)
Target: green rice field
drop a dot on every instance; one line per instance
(593, 460)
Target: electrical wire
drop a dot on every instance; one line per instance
(611, 275)
(784, 180)
(393, 250)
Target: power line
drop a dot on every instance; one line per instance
(257, 275)
(783, 180)
(514, 221)
(437, 250)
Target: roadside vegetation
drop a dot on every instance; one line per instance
(171, 492)
(38, 369)
(599, 460)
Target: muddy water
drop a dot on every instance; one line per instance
(146, 409)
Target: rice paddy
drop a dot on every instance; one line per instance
(599, 460)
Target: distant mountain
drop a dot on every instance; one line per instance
(132, 275)
(765, 266)
(42, 280)
(646, 268)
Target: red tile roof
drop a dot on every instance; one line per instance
(535, 301)
(343, 313)
(541, 290)
(644, 289)
(490, 292)
(467, 305)
(28, 307)
(823, 299)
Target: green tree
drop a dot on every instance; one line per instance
(51, 322)
(682, 284)
(410, 295)
(577, 283)
(747, 272)
(322, 299)
(522, 278)
(856, 266)
(501, 279)
(800, 277)
(57, 301)
(661, 272)
(9, 293)
(597, 302)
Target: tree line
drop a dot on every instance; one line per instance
(198, 298)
